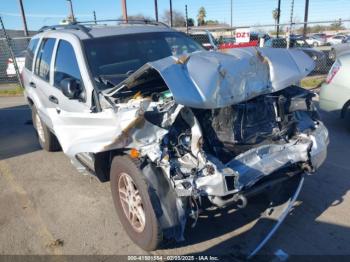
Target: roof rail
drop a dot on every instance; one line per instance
(124, 21)
(80, 25)
(72, 25)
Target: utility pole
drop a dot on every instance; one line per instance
(95, 17)
(171, 13)
(24, 20)
(70, 6)
(306, 16)
(186, 19)
(291, 22)
(156, 9)
(124, 10)
(278, 17)
(231, 20)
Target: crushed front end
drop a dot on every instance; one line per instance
(215, 128)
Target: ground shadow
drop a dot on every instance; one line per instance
(17, 135)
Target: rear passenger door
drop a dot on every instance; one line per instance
(41, 79)
(28, 64)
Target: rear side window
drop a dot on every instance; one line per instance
(30, 53)
(66, 65)
(43, 59)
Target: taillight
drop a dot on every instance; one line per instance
(334, 70)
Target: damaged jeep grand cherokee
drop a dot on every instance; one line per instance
(172, 127)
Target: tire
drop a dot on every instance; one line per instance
(149, 236)
(332, 54)
(47, 139)
(347, 119)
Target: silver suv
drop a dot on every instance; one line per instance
(173, 127)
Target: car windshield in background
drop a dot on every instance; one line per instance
(116, 57)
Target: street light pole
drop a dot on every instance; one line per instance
(94, 13)
(156, 9)
(231, 20)
(124, 10)
(186, 19)
(278, 17)
(291, 22)
(171, 13)
(24, 20)
(70, 5)
(306, 16)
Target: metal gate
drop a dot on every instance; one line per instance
(12, 54)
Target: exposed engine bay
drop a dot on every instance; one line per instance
(219, 152)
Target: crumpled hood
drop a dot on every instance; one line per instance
(214, 79)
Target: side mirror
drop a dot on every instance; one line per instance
(70, 88)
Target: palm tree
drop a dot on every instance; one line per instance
(201, 16)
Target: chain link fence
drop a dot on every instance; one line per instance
(8, 72)
(12, 54)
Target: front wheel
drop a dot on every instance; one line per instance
(132, 202)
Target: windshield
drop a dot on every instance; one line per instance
(113, 59)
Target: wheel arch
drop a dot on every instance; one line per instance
(30, 101)
(345, 109)
(103, 161)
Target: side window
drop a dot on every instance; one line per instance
(66, 65)
(30, 53)
(43, 60)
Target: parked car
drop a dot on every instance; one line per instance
(316, 41)
(10, 70)
(338, 50)
(337, 39)
(297, 36)
(318, 56)
(320, 35)
(173, 127)
(335, 92)
(205, 38)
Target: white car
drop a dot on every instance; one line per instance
(337, 39)
(10, 70)
(315, 41)
(335, 92)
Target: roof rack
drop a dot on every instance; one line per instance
(82, 25)
(124, 21)
(72, 25)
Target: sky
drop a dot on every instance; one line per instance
(245, 12)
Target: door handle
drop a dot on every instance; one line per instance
(32, 84)
(53, 99)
